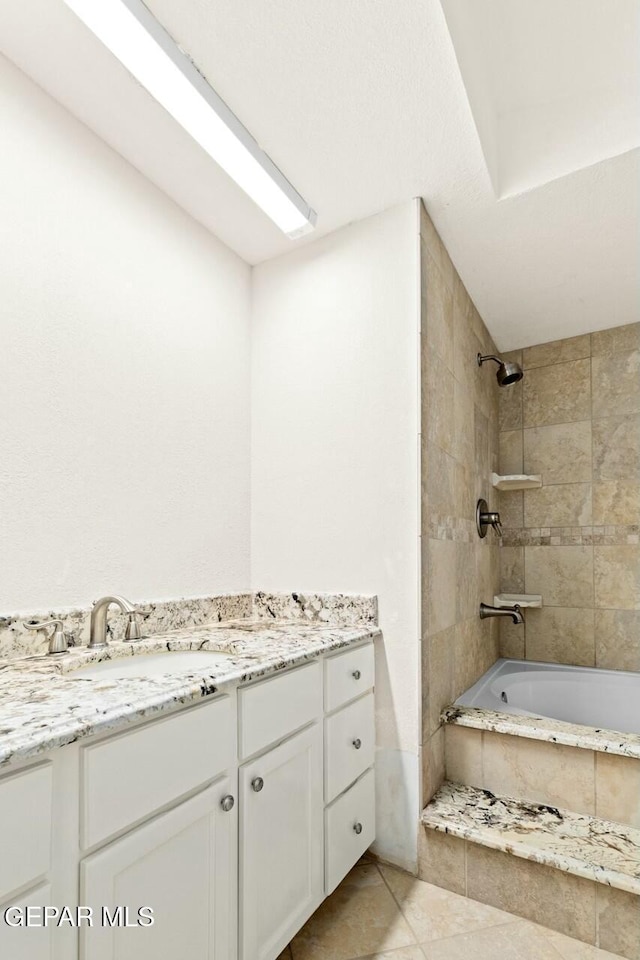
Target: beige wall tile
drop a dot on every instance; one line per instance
(510, 458)
(511, 509)
(437, 401)
(440, 585)
(561, 635)
(512, 639)
(438, 482)
(512, 569)
(616, 384)
(557, 351)
(617, 576)
(562, 575)
(616, 448)
(463, 755)
(616, 502)
(432, 765)
(463, 420)
(616, 340)
(539, 771)
(542, 894)
(618, 917)
(465, 492)
(618, 788)
(557, 394)
(439, 681)
(617, 635)
(466, 581)
(441, 860)
(475, 650)
(466, 346)
(437, 311)
(558, 505)
(509, 405)
(561, 452)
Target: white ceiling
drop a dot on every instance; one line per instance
(362, 105)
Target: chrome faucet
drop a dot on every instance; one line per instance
(98, 626)
(515, 612)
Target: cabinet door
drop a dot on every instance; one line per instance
(26, 943)
(281, 843)
(182, 864)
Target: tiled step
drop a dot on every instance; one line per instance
(600, 850)
(577, 874)
(598, 777)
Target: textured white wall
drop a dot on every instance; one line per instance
(124, 386)
(335, 488)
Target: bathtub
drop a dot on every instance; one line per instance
(608, 699)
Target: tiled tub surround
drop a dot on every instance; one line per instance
(162, 616)
(42, 706)
(575, 419)
(459, 448)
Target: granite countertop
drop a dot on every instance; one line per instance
(43, 706)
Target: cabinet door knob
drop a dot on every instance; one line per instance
(356, 674)
(357, 743)
(357, 828)
(227, 803)
(257, 784)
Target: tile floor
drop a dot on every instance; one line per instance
(380, 913)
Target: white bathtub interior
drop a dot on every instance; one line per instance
(607, 699)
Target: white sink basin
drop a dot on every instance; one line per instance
(152, 665)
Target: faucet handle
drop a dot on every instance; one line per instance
(132, 631)
(58, 642)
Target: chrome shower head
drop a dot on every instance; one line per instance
(508, 371)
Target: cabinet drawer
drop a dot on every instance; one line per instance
(25, 827)
(129, 777)
(272, 709)
(343, 844)
(349, 745)
(347, 676)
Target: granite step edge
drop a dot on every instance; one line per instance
(545, 728)
(603, 851)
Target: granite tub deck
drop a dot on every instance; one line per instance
(546, 729)
(42, 706)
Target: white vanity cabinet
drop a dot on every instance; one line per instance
(182, 864)
(281, 850)
(231, 819)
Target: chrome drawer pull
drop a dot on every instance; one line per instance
(356, 674)
(357, 743)
(227, 803)
(257, 784)
(357, 827)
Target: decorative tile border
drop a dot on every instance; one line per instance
(571, 536)
(451, 528)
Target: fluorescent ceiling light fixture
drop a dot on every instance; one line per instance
(142, 45)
